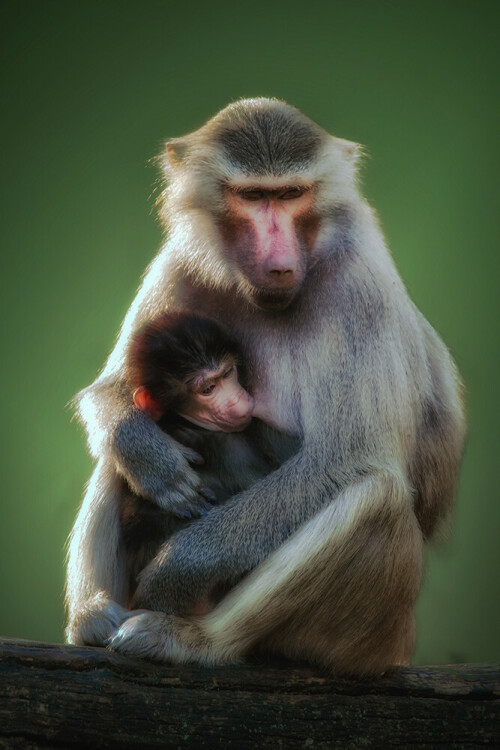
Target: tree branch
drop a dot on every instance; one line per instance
(58, 696)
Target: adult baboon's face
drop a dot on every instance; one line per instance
(268, 231)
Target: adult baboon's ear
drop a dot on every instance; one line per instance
(351, 150)
(176, 151)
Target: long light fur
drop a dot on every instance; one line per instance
(330, 546)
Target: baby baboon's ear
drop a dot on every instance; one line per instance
(146, 403)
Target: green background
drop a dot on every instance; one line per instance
(89, 92)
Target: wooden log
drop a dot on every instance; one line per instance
(58, 696)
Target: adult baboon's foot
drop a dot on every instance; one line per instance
(96, 621)
(162, 637)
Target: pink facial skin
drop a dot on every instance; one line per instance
(221, 404)
(270, 230)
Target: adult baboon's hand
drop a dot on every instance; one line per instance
(158, 467)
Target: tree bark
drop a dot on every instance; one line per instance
(58, 696)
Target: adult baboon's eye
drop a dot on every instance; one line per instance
(252, 195)
(291, 193)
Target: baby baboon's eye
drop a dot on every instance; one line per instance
(208, 389)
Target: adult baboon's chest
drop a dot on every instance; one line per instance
(271, 348)
(274, 376)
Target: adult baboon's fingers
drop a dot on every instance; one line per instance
(191, 455)
(208, 494)
(189, 506)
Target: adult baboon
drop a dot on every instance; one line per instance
(268, 234)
